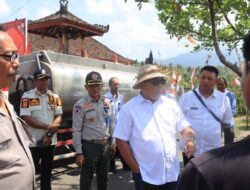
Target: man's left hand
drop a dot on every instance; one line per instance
(46, 141)
(189, 148)
(53, 127)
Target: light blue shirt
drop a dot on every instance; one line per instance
(232, 100)
(117, 103)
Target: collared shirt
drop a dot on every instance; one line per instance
(16, 164)
(150, 129)
(232, 100)
(117, 103)
(92, 120)
(43, 107)
(207, 128)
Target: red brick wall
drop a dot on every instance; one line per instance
(93, 48)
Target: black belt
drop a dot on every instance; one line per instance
(102, 141)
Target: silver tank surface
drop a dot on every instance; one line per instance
(68, 75)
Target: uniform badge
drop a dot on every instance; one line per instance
(94, 76)
(77, 110)
(194, 108)
(51, 98)
(34, 102)
(58, 102)
(88, 106)
(25, 103)
(52, 102)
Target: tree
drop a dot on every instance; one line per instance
(213, 23)
(150, 58)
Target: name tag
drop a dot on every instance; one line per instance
(34, 102)
(194, 108)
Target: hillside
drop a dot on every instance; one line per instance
(198, 59)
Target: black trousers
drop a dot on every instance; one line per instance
(112, 162)
(45, 155)
(97, 157)
(142, 185)
(186, 159)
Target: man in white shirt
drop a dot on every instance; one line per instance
(42, 110)
(145, 133)
(115, 97)
(116, 100)
(224, 168)
(207, 128)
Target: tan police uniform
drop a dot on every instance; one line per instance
(92, 120)
(16, 165)
(43, 107)
(92, 131)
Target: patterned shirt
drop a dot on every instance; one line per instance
(43, 107)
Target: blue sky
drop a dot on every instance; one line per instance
(132, 33)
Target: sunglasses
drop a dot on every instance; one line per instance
(157, 81)
(10, 57)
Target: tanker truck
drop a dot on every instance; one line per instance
(68, 74)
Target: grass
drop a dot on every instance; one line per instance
(242, 125)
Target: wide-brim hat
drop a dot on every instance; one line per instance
(147, 72)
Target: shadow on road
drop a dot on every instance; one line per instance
(66, 176)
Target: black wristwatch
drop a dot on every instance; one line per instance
(49, 134)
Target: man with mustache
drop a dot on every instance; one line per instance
(145, 133)
(225, 168)
(206, 109)
(16, 164)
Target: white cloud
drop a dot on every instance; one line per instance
(4, 8)
(100, 7)
(43, 11)
(138, 32)
(132, 33)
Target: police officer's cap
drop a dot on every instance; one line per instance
(93, 78)
(40, 74)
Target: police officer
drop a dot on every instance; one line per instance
(16, 164)
(42, 110)
(92, 130)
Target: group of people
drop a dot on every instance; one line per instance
(143, 130)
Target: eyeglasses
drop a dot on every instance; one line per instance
(10, 57)
(157, 81)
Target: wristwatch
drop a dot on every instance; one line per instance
(49, 134)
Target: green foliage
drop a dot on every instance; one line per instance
(213, 23)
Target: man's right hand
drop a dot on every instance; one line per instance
(135, 169)
(80, 160)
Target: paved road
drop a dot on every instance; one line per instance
(66, 176)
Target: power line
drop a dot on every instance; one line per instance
(18, 9)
